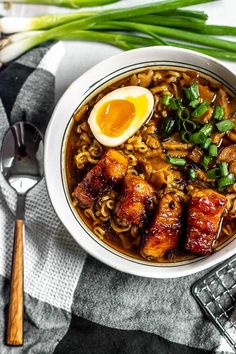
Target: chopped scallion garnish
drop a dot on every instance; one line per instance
(178, 161)
(192, 92)
(223, 166)
(206, 143)
(218, 113)
(175, 104)
(226, 181)
(192, 174)
(225, 125)
(165, 100)
(194, 103)
(189, 126)
(207, 129)
(183, 113)
(184, 136)
(167, 127)
(200, 110)
(197, 138)
(205, 162)
(213, 150)
(213, 173)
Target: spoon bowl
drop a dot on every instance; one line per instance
(22, 157)
(21, 164)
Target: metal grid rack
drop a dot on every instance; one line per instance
(216, 294)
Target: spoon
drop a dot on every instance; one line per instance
(21, 164)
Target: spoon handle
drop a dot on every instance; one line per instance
(15, 311)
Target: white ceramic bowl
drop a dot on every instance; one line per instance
(87, 86)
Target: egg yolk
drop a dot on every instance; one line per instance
(115, 116)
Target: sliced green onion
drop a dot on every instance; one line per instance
(178, 161)
(225, 125)
(183, 113)
(167, 127)
(192, 92)
(189, 126)
(213, 173)
(200, 110)
(194, 103)
(207, 129)
(218, 113)
(223, 166)
(206, 143)
(197, 138)
(165, 100)
(205, 162)
(226, 181)
(187, 93)
(192, 174)
(184, 136)
(213, 150)
(175, 104)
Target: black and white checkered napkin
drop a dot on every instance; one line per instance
(112, 312)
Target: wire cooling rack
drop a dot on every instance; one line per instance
(216, 294)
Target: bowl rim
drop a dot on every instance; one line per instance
(80, 231)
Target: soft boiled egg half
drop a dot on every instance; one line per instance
(119, 114)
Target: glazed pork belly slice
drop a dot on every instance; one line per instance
(136, 198)
(165, 230)
(204, 215)
(110, 170)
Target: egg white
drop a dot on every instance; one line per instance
(119, 94)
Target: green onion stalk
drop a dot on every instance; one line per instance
(123, 41)
(218, 30)
(75, 4)
(186, 13)
(11, 25)
(168, 33)
(17, 44)
(171, 21)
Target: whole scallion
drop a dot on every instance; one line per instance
(82, 26)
